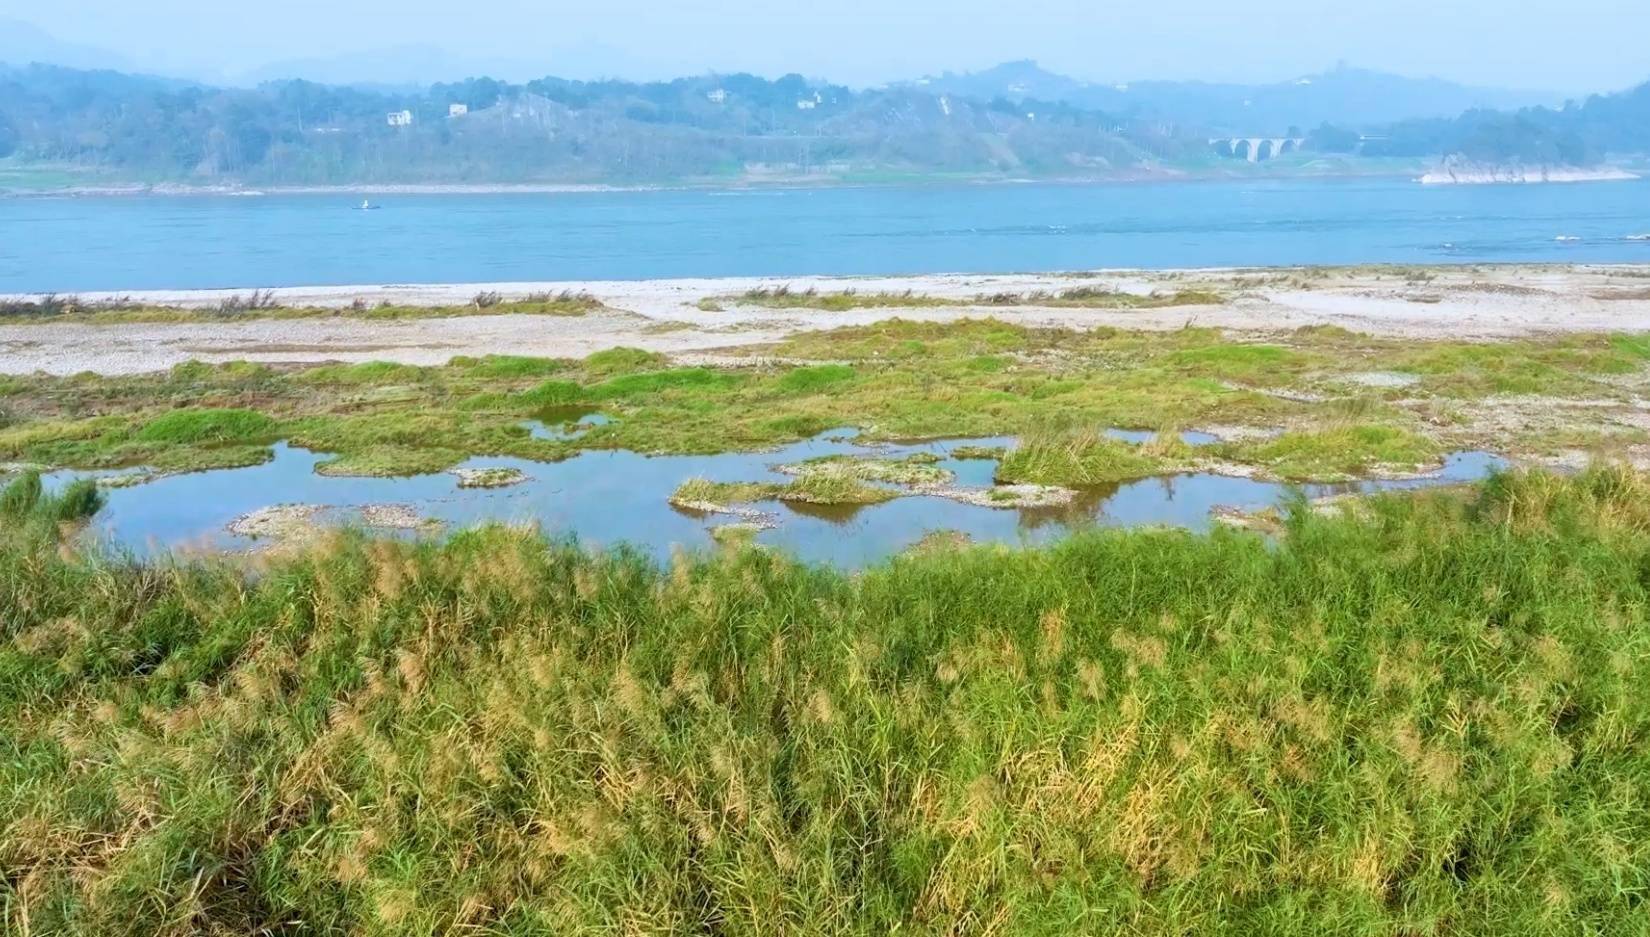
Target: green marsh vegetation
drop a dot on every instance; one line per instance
(829, 488)
(979, 452)
(1427, 718)
(1080, 457)
(1088, 297)
(702, 491)
(1085, 297)
(917, 468)
(1348, 450)
(892, 380)
(262, 304)
(826, 480)
(820, 488)
(783, 297)
(25, 504)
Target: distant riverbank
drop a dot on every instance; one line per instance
(1522, 175)
(171, 189)
(1318, 169)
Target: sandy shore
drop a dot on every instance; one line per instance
(664, 315)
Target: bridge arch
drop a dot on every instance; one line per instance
(1256, 149)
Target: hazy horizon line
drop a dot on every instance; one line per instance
(249, 78)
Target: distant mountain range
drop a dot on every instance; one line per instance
(1349, 97)
(22, 43)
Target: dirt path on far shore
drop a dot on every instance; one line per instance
(665, 315)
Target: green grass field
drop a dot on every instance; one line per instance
(1426, 718)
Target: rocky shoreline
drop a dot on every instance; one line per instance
(1451, 174)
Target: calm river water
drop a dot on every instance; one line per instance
(73, 244)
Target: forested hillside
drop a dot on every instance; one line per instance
(548, 130)
(1344, 96)
(1574, 135)
(709, 127)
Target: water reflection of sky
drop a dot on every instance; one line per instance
(607, 497)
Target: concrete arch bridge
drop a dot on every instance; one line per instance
(1255, 149)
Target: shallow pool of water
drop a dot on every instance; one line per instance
(563, 423)
(609, 497)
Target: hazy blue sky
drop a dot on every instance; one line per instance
(1574, 46)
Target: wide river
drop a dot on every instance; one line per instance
(68, 245)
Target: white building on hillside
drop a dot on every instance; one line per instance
(457, 110)
(399, 118)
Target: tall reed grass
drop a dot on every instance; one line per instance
(1429, 718)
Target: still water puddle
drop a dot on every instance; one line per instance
(562, 423)
(607, 497)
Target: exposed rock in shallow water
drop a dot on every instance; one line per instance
(279, 521)
(741, 532)
(915, 469)
(1007, 496)
(291, 522)
(937, 540)
(1265, 520)
(761, 519)
(489, 477)
(126, 480)
(394, 517)
(979, 452)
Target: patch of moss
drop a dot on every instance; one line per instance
(808, 380)
(368, 372)
(986, 364)
(1266, 364)
(1560, 366)
(622, 360)
(392, 461)
(209, 426)
(795, 426)
(551, 394)
(653, 382)
(828, 488)
(196, 459)
(916, 469)
(511, 366)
